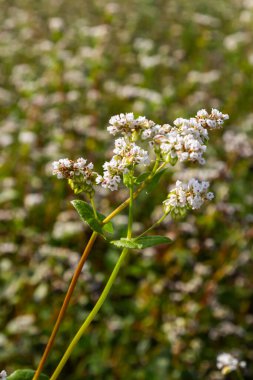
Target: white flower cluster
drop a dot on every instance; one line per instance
(112, 175)
(185, 140)
(130, 153)
(3, 375)
(213, 121)
(127, 154)
(228, 363)
(126, 124)
(65, 168)
(79, 173)
(185, 196)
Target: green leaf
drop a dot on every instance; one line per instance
(151, 241)
(87, 215)
(25, 374)
(126, 243)
(108, 227)
(142, 242)
(141, 178)
(154, 181)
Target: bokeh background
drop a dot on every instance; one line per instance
(66, 67)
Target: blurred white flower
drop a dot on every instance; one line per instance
(238, 143)
(232, 41)
(27, 137)
(33, 199)
(3, 375)
(228, 363)
(203, 78)
(22, 324)
(68, 229)
(56, 24)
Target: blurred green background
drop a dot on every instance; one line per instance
(66, 67)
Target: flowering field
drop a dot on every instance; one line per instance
(66, 68)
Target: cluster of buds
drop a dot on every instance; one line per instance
(186, 196)
(213, 120)
(127, 125)
(127, 155)
(227, 363)
(80, 175)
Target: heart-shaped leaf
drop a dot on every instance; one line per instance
(87, 215)
(25, 374)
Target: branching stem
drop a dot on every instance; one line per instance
(153, 226)
(79, 267)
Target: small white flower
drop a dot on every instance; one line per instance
(219, 115)
(209, 196)
(80, 163)
(211, 123)
(202, 113)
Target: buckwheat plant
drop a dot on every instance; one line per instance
(143, 150)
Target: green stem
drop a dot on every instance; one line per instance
(156, 165)
(65, 304)
(152, 227)
(130, 217)
(102, 297)
(91, 316)
(93, 207)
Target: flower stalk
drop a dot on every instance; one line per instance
(65, 304)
